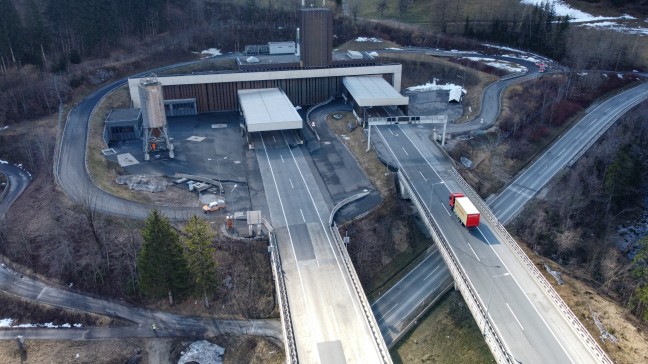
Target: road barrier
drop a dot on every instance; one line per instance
(362, 298)
(591, 344)
(311, 109)
(282, 297)
(491, 336)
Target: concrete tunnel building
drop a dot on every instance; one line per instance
(310, 75)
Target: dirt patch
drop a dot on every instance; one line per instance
(632, 345)
(447, 334)
(238, 349)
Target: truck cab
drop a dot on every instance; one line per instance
(453, 198)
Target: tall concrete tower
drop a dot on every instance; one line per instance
(154, 123)
(316, 37)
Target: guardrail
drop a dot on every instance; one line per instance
(364, 304)
(589, 144)
(343, 203)
(282, 297)
(562, 307)
(308, 122)
(491, 336)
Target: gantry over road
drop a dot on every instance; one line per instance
(330, 317)
(522, 318)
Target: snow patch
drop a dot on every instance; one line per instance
(371, 40)
(7, 322)
(3, 162)
(202, 352)
(211, 52)
(373, 54)
(608, 25)
(5, 127)
(503, 65)
(394, 49)
(433, 87)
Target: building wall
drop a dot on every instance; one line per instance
(218, 92)
(316, 34)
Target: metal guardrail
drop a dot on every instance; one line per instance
(364, 303)
(604, 129)
(562, 307)
(344, 203)
(282, 297)
(491, 336)
(308, 122)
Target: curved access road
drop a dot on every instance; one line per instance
(17, 181)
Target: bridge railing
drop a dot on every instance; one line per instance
(491, 335)
(562, 307)
(282, 297)
(362, 298)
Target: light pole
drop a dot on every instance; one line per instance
(490, 292)
(218, 171)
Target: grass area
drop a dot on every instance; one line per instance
(446, 334)
(205, 66)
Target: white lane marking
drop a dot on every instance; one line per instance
(423, 176)
(474, 252)
(326, 233)
(302, 213)
(282, 160)
(41, 293)
(283, 211)
(398, 324)
(391, 131)
(273, 138)
(405, 150)
(444, 208)
(528, 299)
(425, 159)
(432, 272)
(402, 279)
(291, 184)
(515, 317)
(388, 311)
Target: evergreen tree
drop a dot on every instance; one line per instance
(200, 254)
(161, 263)
(640, 273)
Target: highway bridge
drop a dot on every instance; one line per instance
(522, 318)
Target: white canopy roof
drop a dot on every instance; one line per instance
(373, 91)
(268, 109)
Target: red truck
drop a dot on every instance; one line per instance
(464, 209)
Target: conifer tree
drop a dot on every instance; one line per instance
(162, 266)
(199, 250)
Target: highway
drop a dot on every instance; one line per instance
(507, 204)
(327, 319)
(532, 328)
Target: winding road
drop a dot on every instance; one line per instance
(72, 175)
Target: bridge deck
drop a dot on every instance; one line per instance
(328, 321)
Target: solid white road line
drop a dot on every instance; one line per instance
(423, 176)
(302, 213)
(282, 160)
(388, 311)
(444, 208)
(291, 184)
(405, 151)
(410, 272)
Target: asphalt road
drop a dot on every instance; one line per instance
(168, 324)
(18, 180)
(563, 151)
(327, 318)
(531, 327)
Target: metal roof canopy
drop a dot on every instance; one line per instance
(373, 91)
(268, 109)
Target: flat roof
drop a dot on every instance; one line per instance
(268, 109)
(373, 91)
(123, 115)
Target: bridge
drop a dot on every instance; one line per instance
(522, 318)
